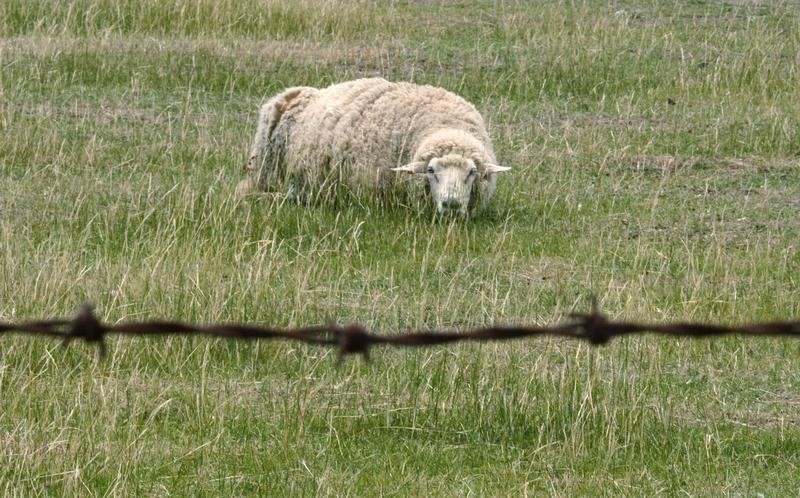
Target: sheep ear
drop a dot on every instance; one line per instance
(418, 167)
(494, 168)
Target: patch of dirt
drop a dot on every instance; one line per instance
(586, 120)
(299, 52)
(660, 163)
(778, 410)
(702, 13)
(353, 59)
(543, 270)
(107, 112)
(666, 163)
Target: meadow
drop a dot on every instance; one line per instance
(656, 156)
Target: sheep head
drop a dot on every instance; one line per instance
(452, 179)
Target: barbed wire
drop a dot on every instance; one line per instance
(593, 327)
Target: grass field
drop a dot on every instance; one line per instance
(656, 156)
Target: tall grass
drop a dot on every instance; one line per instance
(249, 18)
(655, 155)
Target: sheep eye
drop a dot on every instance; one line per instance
(430, 170)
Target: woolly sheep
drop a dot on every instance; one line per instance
(361, 133)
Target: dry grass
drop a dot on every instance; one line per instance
(655, 155)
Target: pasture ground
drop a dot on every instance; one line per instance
(655, 148)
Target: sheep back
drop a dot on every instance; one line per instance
(370, 125)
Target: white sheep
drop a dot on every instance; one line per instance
(358, 133)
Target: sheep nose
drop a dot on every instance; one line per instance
(451, 204)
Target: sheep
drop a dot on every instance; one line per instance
(364, 133)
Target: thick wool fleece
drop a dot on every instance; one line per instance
(359, 129)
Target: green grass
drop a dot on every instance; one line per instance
(655, 148)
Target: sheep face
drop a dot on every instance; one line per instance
(452, 180)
